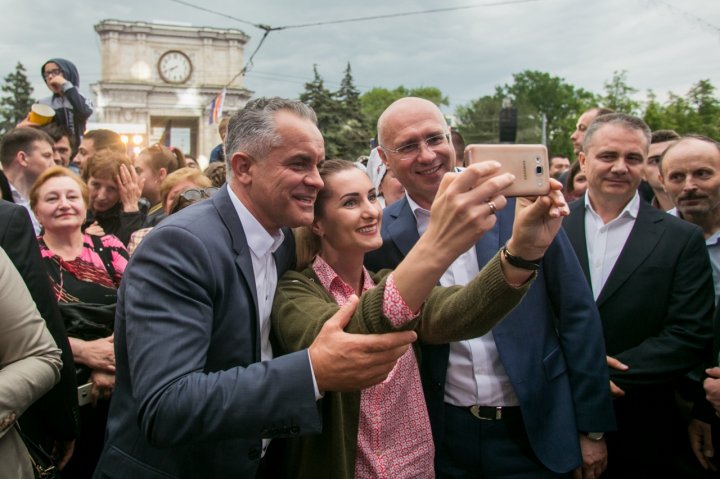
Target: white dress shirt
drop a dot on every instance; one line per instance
(475, 374)
(605, 242)
(25, 203)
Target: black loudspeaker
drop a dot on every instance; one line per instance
(508, 125)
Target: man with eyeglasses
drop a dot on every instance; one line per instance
(529, 399)
(72, 109)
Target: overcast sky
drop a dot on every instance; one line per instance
(663, 45)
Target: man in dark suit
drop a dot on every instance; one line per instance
(197, 389)
(652, 282)
(53, 420)
(529, 399)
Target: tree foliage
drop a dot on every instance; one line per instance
(618, 94)
(17, 99)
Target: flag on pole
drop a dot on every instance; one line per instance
(216, 107)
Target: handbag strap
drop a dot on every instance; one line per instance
(43, 463)
(105, 255)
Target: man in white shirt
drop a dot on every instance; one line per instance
(198, 392)
(24, 153)
(651, 280)
(530, 398)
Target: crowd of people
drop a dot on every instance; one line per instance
(284, 314)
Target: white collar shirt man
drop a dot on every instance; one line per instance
(475, 374)
(25, 203)
(606, 241)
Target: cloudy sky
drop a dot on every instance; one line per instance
(663, 45)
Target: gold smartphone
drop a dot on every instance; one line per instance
(529, 164)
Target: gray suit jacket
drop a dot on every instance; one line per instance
(191, 397)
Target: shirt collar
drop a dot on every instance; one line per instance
(416, 208)
(259, 240)
(328, 276)
(630, 211)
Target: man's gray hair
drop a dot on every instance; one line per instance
(253, 130)
(620, 119)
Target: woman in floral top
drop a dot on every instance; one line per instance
(85, 271)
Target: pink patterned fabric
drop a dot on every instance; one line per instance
(394, 436)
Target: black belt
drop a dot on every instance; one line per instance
(495, 413)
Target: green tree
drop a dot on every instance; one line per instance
(618, 94)
(536, 95)
(374, 101)
(696, 112)
(354, 135)
(327, 109)
(16, 103)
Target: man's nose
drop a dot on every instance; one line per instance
(313, 179)
(426, 153)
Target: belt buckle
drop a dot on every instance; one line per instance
(475, 411)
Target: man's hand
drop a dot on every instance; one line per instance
(56, 83)
(537, 221)
(712, 387)
(594, 454)
(97, 354)
(349, 362)
(701, 443)
(613, 363)
(130, 188)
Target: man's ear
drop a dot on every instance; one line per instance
(582, 159)
(662, 182)
(21, 158)
(242, 167)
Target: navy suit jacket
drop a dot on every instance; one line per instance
(550, 345)
(657, 303)
(192, 398)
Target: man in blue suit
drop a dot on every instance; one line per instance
(531, 398)
(197, 391)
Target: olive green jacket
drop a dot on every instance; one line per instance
(301, 307)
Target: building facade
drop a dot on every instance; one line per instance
(160, 79)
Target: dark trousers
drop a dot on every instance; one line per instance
(474, 448)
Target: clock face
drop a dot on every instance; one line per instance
(174, 67)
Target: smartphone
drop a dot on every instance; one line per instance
(84, 394)
(529, 164)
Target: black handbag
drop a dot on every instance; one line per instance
(43, 464)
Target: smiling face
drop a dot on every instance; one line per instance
(613, 164)
(60, 205)
(412, 121)
(281, 187)
(349, 220)
(691, 177)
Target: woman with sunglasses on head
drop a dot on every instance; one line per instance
(154, 164)
(384, 430)
(171, 188)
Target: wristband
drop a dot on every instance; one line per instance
(518, 262)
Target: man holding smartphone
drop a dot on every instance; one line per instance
(530, 398)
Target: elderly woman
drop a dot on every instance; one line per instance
(384, 431)
(170, 191)
(115, 190)
(29, 366)
(85, 272)
(153, 165)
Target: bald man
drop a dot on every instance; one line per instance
(530, 398)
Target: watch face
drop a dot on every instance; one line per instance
(174, 67)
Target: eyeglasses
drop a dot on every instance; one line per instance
(190, 196)
(52, 73)
(411, 150)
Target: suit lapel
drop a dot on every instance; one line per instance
(643, 238)
(574, 226)
(403, 229)
(243, 260)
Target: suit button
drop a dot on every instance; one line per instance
(254, 453)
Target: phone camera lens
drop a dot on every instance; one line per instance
(538, 170)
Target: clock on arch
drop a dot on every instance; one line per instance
(175, 66)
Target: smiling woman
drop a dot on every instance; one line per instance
(384, 430)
